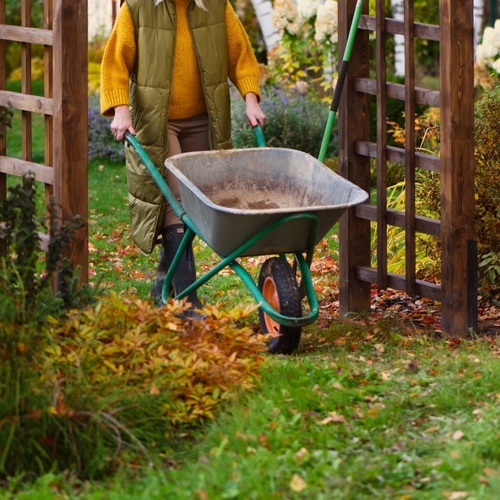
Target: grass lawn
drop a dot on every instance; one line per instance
(369, 407)
(362, 411)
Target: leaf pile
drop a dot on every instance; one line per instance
(154, 350)
(116, 380)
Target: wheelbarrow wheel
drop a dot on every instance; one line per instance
(278, 285)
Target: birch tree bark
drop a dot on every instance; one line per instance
(398, 12)
(263, 11)
(478, 21)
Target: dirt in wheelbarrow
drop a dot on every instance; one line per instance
(256, 197)
(234, 202)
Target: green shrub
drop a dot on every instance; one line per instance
(102, 144)
(6, 115)
(294, 120)
(119, 382)
(487, 190)
(487, 181)
(25, 283)
(26, 300)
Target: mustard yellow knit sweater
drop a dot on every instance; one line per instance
(187, 98)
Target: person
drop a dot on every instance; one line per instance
(164, 79)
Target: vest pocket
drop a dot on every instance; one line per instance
(223, 112)
(144, 219)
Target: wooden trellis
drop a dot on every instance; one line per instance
(455, 98)
(63, 107)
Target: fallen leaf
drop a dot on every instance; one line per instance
(333, 417)
(455, 495)
(428, 320)
(274, 424)
(301, 454)
(413, 367)
(264, 441)
(297, 484)
(490, 472)
(435, 428)
(358, 413)
(457, 435)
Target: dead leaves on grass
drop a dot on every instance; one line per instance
(145, 349)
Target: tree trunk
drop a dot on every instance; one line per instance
(478, 21)
(263, 11)
(398, 12)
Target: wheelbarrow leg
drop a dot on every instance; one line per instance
(185, 274)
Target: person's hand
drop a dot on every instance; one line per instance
(255, 115)
(121, 122)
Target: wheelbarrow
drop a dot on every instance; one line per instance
(275, 202)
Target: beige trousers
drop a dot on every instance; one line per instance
(185, 136)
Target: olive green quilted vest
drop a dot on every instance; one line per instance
(150, 86)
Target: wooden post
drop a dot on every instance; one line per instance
(457, 160)
(48, 91)
(354, 125)
(70, 120)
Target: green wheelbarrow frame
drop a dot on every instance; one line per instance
(303, 263)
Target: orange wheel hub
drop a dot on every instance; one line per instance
(270, 293)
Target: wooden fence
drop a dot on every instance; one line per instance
(455, 165)
(63, 108)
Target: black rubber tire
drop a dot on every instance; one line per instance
(278, 284)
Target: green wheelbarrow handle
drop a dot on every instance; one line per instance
(259, 136)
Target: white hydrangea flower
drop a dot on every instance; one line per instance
(295, 27)
(284, 14)
(307, 8)
(491, 36)
(488, 57)
(496, 65)
(486, 53)
(327, 22)
(480, 59)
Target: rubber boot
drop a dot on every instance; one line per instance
(161, 272)
(185, 273)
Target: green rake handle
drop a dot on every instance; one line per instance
(340, 82)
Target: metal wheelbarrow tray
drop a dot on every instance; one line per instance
(258, 201)
(231, 195)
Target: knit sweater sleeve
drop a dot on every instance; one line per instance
(117, 63)
(243, 66)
